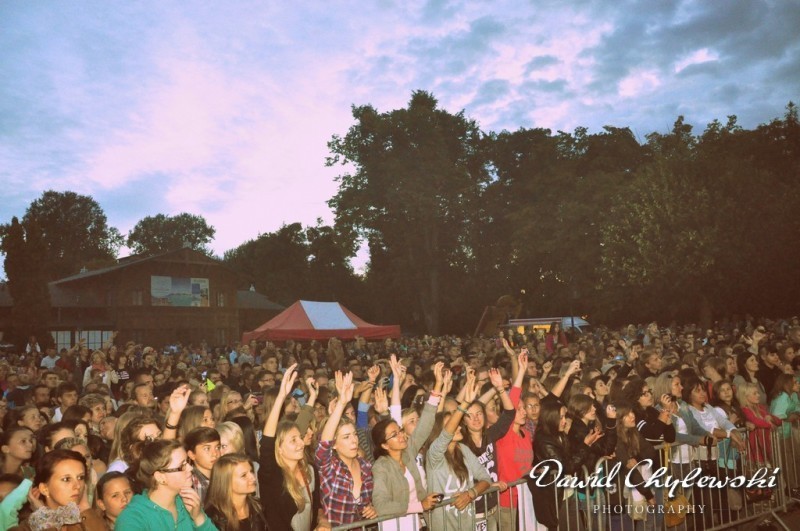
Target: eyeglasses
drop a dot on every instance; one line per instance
(151, 438)
(181, 468)
(392, 436)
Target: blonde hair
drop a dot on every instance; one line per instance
(219, 490)
(744, 389)
(191, 418)
(290, 481)
(155, 457)
(234, 433)
(223, 402)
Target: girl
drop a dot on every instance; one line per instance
(550, 443)
(747, 362)
(231, 503)
(194, 417)
(345, 478)
(168, 502)
(760, 444)
(17, 444)
(61, 478)
(114, 491)
(231, 438)
(632, 448)
(138, 429)
(453, 469)
(288, 484)
(398, 485)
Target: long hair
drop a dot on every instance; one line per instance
(130, 435)
(155, 456)
(784, 383)
(627, 436)
(191, 418)
(122, 422)
(741, 360)
(219, 490)
(454, 459)
(550, 419)
(292, 485)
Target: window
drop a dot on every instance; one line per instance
(137, 297)
(94, 338)
(220, 299)
(62, 339)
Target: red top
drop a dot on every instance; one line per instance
(514, 454)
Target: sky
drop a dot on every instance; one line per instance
(224, 109)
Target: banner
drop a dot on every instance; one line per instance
(179, 292)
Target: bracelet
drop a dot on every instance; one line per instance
(461, 409)
(169, 426)
(472, 493)
(436, 394)
(500, 390)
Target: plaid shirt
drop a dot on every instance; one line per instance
(336, 486)
(200, 484)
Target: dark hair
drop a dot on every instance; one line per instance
(107, 477)
(741, 360)
(76, 412)
(379, 436)
(154, 457)
(198, 436)
(48, 462)
(45, 435)
(579, 405)
(550, 418)
(455, 460)
(65, 387)
(690, 385)
(783, 384)
(407, 400)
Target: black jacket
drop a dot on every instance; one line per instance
(279, 506)
(257, 520)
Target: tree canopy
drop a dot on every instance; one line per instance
(160, 233)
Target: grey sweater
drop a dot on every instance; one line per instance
(442, 479)
(390, 494)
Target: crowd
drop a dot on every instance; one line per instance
(308, 436)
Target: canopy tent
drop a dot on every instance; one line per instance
(305, 320)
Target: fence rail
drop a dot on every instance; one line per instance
(612, 506)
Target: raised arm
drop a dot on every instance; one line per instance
(177, 403)
(271, 425)
(398, 375)
(558, 389)
(497, 383)
(344, 386)
(515, 370)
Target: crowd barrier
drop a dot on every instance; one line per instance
(610, 506)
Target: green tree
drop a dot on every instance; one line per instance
(160, 233)
(416, 176)
(27, 282)
(75, 232)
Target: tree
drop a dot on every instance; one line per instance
(416, 177)
(27, 282)
(75, 233)
(160, 233)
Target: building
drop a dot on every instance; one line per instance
(177, 296)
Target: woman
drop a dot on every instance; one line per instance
(82, 447)
(785, 405)
(550, 443)
(114, 492)
(760, 443)
(231, 438)
(17, 444)
(168, 502)
(481, 438)
(398, 485)
(345, 478)
(555, 337)
(228, 402)
(231, 503)
(453, 470)
(195, 417)
(138, 429)
(725, 400)
(29, 417)
(203, 448)
(61, 481)
(747, 362)
(632, 448)
(655, 425)
(123, 376)
(288, 485)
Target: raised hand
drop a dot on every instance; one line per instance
(373, 373)
(438, 375)
(496, 379)
(313, 390)
(447, 382)
(179, 398)
(381, 401)
(287, 382)
(522, 360)
(347, 388)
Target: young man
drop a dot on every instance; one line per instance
(66, 396)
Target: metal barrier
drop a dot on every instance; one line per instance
(570, 506)
(606, 504)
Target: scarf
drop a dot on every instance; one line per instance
(46, 518)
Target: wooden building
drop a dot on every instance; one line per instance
(178, 296)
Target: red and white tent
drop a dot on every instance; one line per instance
(306, 320)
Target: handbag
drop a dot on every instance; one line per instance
(675, 509)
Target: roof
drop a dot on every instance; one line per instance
(319, 320)
(251, 300)
(129, 261)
